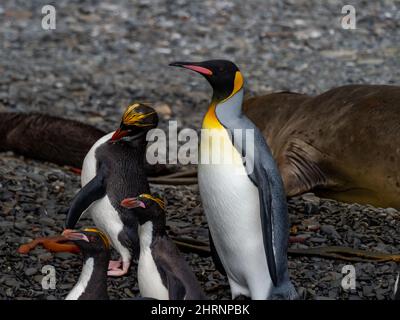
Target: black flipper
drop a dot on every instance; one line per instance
(176, 289)
(91, 192)
(175, 273)
(214, 254)
(264, 189)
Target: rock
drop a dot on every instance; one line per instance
(65, 255)
(163, 110)
(129, 293)
(38, 278)
(317, 240)
(391, 211)
(30, 271)
(367, 290)
(47, 221)
(44, 257)
(330, 230)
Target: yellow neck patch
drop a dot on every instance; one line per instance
(237, 85)
(210, 120)
(101, 234)
(160, 202)
(132, 117)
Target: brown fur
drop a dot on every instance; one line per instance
(43, 137)
(343, 144)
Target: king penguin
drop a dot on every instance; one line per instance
(112, 170)
(162, 272)
(242, 193)
(95, 248)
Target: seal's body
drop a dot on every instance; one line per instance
(342, 144)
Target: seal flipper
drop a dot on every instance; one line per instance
(300, 172)
(92, 191)
(215, 257)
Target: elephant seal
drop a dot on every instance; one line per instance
(343, 144)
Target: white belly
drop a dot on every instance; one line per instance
(149, 279)
(81, 285)
(89, 163)
(231, 204)
(106, 218)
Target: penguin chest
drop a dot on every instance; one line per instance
(107, 219)
(232, 206)
(80, 288)
(89, 165)
(149, 278)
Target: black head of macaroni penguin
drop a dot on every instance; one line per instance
(162, 272)
(112, 170)
(136, 121)
(95, 249)
(242, 193)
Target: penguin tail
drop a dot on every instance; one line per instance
(44, 137)
(284, 291)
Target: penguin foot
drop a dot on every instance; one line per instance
(117, 272)
(114, 264)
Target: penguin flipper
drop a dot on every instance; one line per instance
(92, 191)
(260, 178)
(264, 189)
(215, 257)
(176, 289)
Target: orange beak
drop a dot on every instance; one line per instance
(119, 134)
(191, 66)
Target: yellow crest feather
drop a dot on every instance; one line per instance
(102, 235)
(131, 117)
(160, 202)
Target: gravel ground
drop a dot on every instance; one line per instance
(105, 54)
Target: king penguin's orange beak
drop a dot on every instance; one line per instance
(192, 66)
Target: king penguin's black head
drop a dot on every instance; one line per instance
(90, 241)
(138, 118)
(223, 75)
